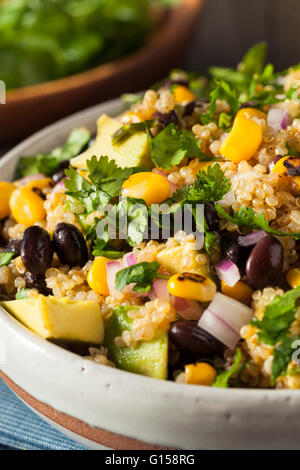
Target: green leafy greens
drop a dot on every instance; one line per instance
(57, 38)
(278, 317)
(222, 379)
(6, 257)
(141, 274)
(172, 145)
(48, 163)
(210, 186)
(246, 217)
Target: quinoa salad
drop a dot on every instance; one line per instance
(167, 244)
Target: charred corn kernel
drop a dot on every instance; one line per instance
(199, 374)
(293, 277)
(243, 141)
(6, 189)
(130, 117)
(192, 286)
(251, 113)
(40, 184)
(280, 167)
(27, 207)
(240, 291)
(182, 94)
(97, 276)
(151, 187)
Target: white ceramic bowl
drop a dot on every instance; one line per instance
(100, 406)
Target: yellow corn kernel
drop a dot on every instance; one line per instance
(151, 187)
(243, 141)
(192, 286)
(240, 291)
(27, 207)
(40, 184)
(182, 94)
(6, 189)
(251, 113)
(97, 276)
(199, 374)
(293, 277)
(201, 166)
(129, 117)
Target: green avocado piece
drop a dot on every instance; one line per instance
(147, 358)
(132, 152)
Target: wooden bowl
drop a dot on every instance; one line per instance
(31, 108)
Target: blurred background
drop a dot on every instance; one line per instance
(61, 56)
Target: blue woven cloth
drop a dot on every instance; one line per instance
(20, 428)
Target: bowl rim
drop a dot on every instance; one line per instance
(112, 107)
(185, 10)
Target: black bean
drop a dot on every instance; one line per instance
(13, 246)
(211, 216)
(265, 262)
(70, 245)
(64, 164)
(167, 118)
(36, 250)
(194, 341)
(37, 281)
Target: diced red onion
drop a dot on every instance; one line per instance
(173, 186)
(27, 179)
(160, 290)
(278, 119)
(285, 121)
(112, 268)
(129, 259)
(228, 272)
(187, 309)
(252, 238)
(224, 319)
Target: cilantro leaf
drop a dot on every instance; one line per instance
(254, 59)
(278, 317)
(223, 377)
(172, 145)
(282, 355)
(107, 176)
(141, 274)
(210, 186)
(223, 91)
(48, 163)
(246, 217)
(127, 130)
(83, 191)
(6, 257)
(101, 248)
(22, 294)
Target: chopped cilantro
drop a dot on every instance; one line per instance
(48, 163)
(107, 176)
(87, 194)
(141, 274)
(254, 59)
(223, 377)
(282, 356)
(6, 257)
(246, 217)
(210, 186)
(278, 317)
(172, 145)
